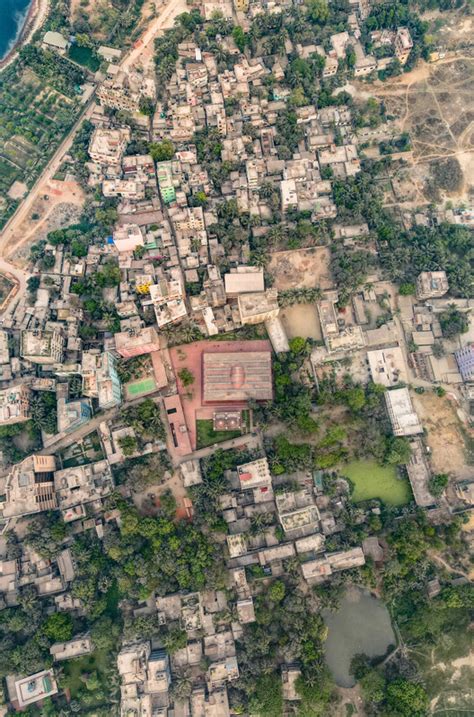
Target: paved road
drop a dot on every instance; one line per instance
(252, 441)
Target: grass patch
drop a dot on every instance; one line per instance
(207, 436)
(98, 661)
(370, 480)
(84, 56)
(141, 387)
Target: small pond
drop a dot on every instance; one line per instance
(360, 625)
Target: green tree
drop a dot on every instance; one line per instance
(277, 591)
(355, 399)
(200, 199)
(453, 322)
(43, 409)
(317, 11)
(146, 106)
(186, 377)
(175, 639)
(161, 151)
(267, 697)
(58, 627)
(128, 444)
(373, 687)
(437, 484)
(397, 450)
(407, 699)
(239, 37)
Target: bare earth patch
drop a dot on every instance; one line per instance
(302, 320)
(445, 437)
(59, 204)
(302, 268)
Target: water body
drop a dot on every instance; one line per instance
(12, 18)
(360, 625)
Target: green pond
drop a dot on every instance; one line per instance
(361, 624)
(374, 481)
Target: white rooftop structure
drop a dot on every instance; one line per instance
(387, 366)
(28, 690)
(403, 417)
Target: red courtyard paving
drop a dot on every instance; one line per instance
(190, 356)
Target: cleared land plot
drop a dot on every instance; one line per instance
(435, 104)
(445, 437)
(302, 320)
(302, 268)
(374, 481)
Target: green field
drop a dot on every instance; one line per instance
(371, 480)
(141, 387)
(207, 436)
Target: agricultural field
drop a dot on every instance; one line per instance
(371, 480)
(33, 119)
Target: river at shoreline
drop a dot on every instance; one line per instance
(13, 15)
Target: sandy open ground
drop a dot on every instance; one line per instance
(445, 438)
(303, 268)
(67, 195)
(302, 320)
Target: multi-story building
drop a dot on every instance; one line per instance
(100, 378)
(42, 347)
(137, 342)
(81, 485)
(189, 220)
(14, 404)
(403, 44)
(403, 417)
(255, 308)
(146, 678)
(124, 90)
(237, 377)
(128, 237)
(465, 361)
(29, 487)
(108, 145)
(4, 347)
(73, 413)
(25, 691)
(431, 285)
(165, 182)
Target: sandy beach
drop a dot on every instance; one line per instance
(37, 14)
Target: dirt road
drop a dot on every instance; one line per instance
(143, 48)
(7, 243)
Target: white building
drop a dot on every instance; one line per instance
(403, 417)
